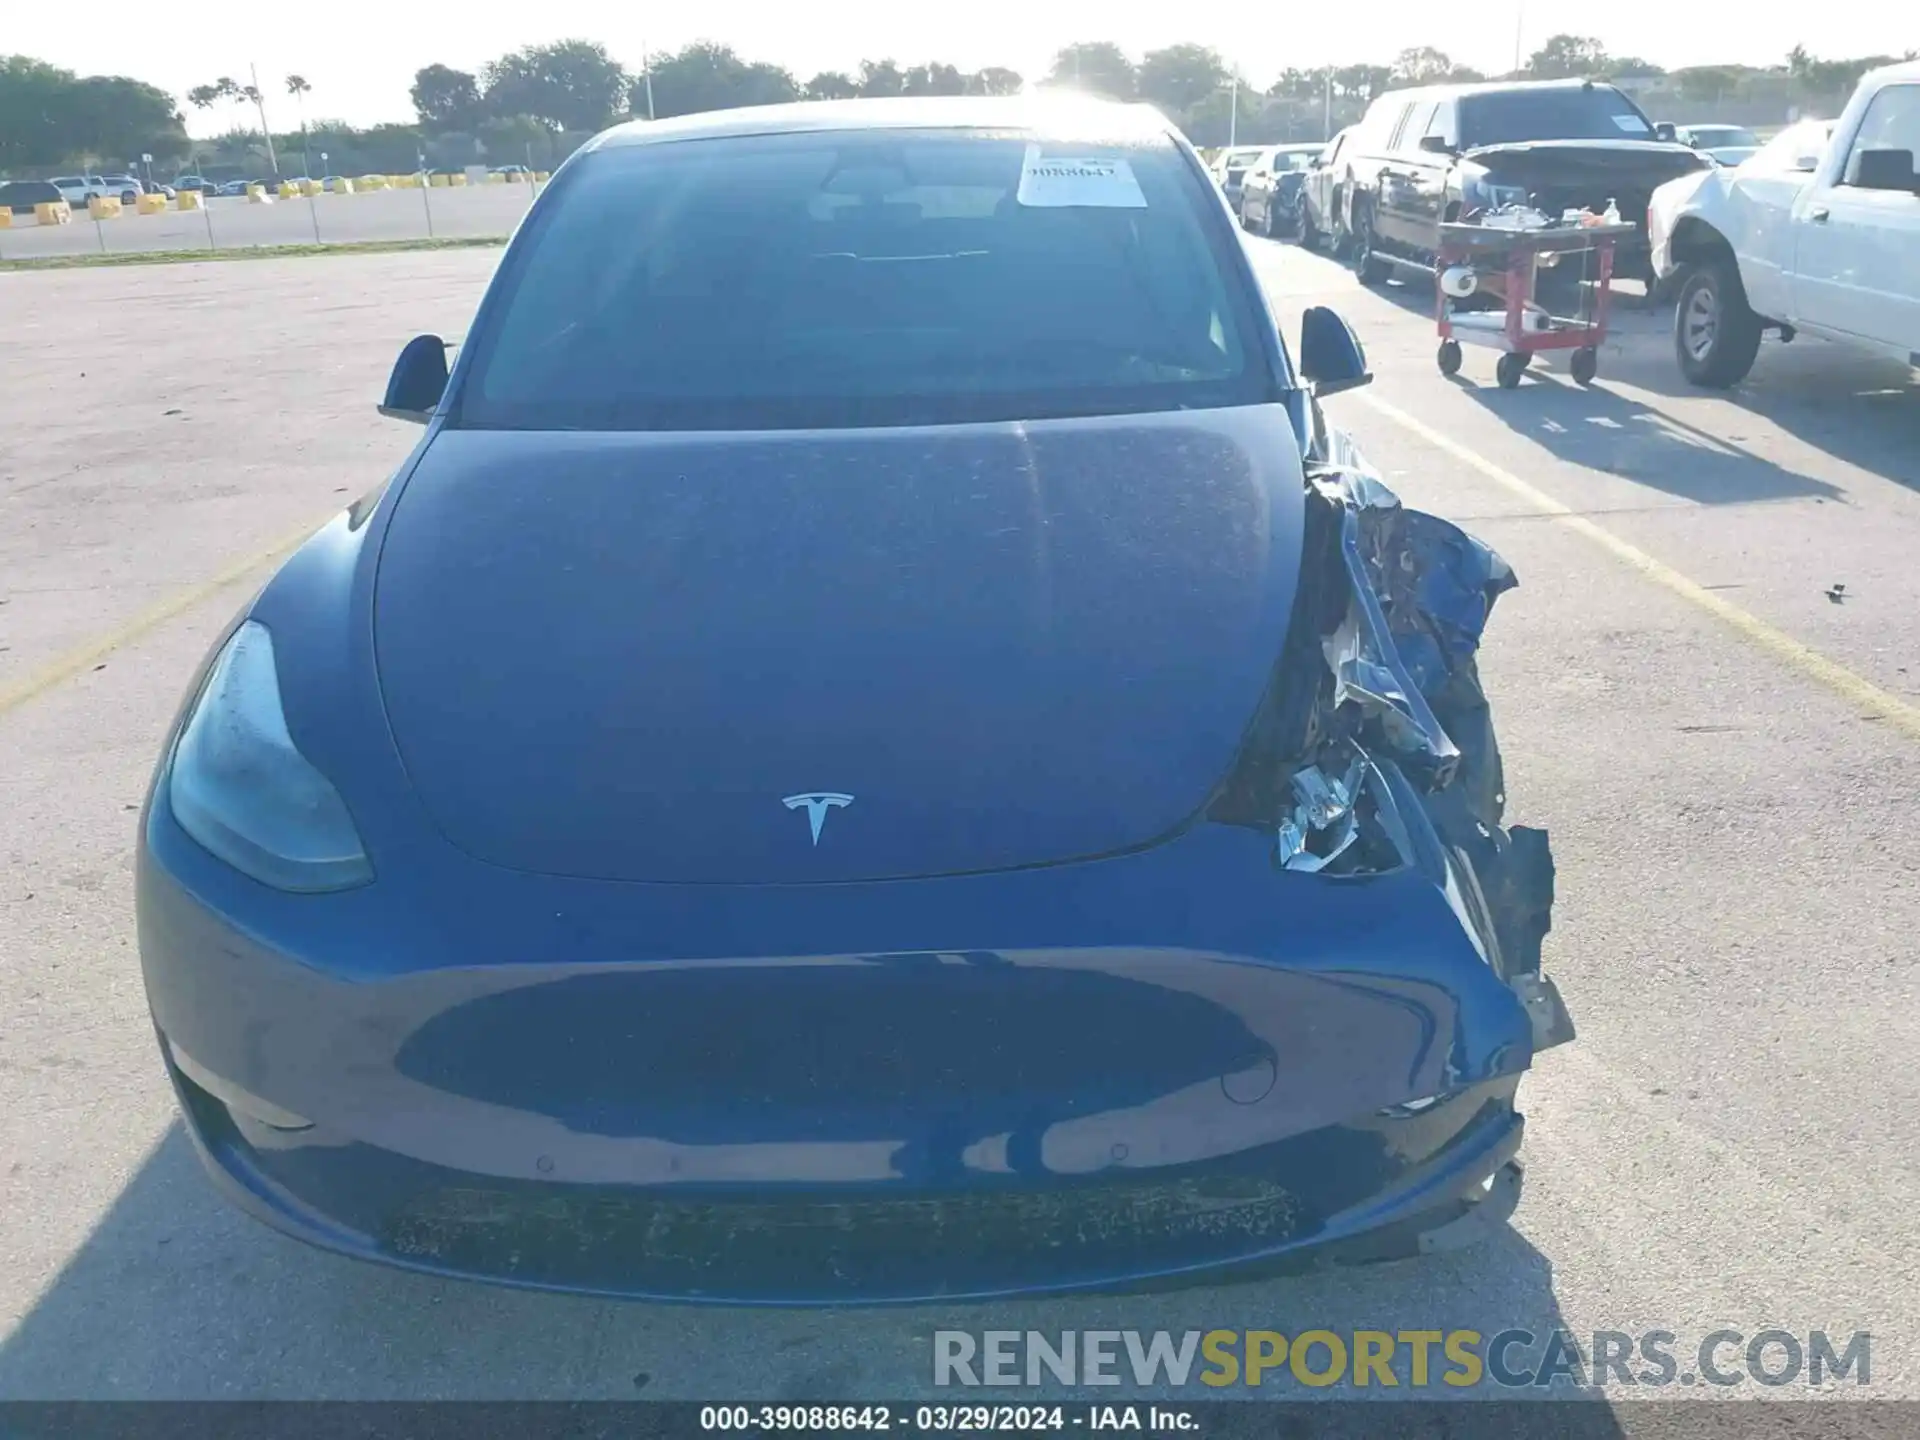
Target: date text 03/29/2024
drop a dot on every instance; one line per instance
(945, 1419)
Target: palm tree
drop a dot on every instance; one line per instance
(298, 87)
(205, 97)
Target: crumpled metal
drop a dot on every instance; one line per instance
(1323, 802)
(1422, 592)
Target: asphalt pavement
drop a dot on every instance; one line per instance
(1707, 685)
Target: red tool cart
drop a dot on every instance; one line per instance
(1478, 262)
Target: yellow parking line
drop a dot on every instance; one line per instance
(13, 696)
(1876, 703)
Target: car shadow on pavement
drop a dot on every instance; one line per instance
(175, 1295)
(1600, 429)
(1858, 408)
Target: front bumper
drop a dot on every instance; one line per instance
(1455, 1176)
(1139, 1070)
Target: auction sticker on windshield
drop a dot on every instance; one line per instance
(1058, 181)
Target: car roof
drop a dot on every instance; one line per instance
(1063, 112)
(1492, 87)
(1904, 70)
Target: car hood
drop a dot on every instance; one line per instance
(1560, 164)
(636, 657)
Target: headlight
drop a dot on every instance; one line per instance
(239, 787)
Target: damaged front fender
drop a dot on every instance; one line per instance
(1394, 759)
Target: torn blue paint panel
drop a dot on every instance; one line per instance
(1456, 581)
(1436, 584)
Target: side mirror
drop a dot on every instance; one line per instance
(1665, 131)
(1331, 356)
(418, 381)
(1883, 170)
(1435, 145)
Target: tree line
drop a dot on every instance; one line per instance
(536, 104)
(50, 116)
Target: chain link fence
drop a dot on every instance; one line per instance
(367, 210)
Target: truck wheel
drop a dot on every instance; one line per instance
(1368, 267)
(1309, 232)
(1715, 332)
(1340, 232)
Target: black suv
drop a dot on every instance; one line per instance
(20, 196)
(1422, 157)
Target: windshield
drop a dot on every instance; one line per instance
(866, 278)
(1239, 159)
(1796, 148)
(1721, 136)
(1296, 159)
(1559, 112)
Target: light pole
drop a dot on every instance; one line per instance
(646, 60)
(1519, 30)
(1233, 113)
(261, 102)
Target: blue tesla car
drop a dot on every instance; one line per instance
(879, 747)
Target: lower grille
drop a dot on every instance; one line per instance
(818, 1246)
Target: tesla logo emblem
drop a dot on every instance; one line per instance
(817, 805)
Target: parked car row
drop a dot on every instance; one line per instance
(329, 183)
(1230, 167)
(20, 196)
(1423, 158)
(1270, 190)
(1379, 190)
(1815, 231)
(76, 190)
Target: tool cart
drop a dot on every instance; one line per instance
(1481, 262)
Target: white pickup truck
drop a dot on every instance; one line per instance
(1817, 233)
